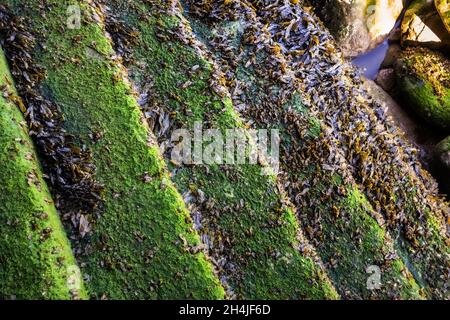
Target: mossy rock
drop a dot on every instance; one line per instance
(423, 78)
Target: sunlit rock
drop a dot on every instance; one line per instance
(422, 25)
(360, 25)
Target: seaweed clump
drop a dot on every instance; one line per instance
(124, 37)
(68, 167)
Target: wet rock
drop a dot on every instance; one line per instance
(392, 55)
(395, 35)
(423, 79)
(386, 79)
(358, 26)
(443, 153)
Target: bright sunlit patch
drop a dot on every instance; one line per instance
(382, 15)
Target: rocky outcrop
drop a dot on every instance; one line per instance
(139, 243)
(443, 7)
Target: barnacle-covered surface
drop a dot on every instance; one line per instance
(35, 256)
(141, 245)
(315, 174)
(247, 228)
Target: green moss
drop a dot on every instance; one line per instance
(249, 218)
(140, 246)
(36, 261)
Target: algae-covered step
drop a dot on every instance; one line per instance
(246, 224)
(36, 261)
(140, 244)
(329, 205)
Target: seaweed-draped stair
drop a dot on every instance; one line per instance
(336, 216)
(249, 230)
(140, 225)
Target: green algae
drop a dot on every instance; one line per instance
(36, 261)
